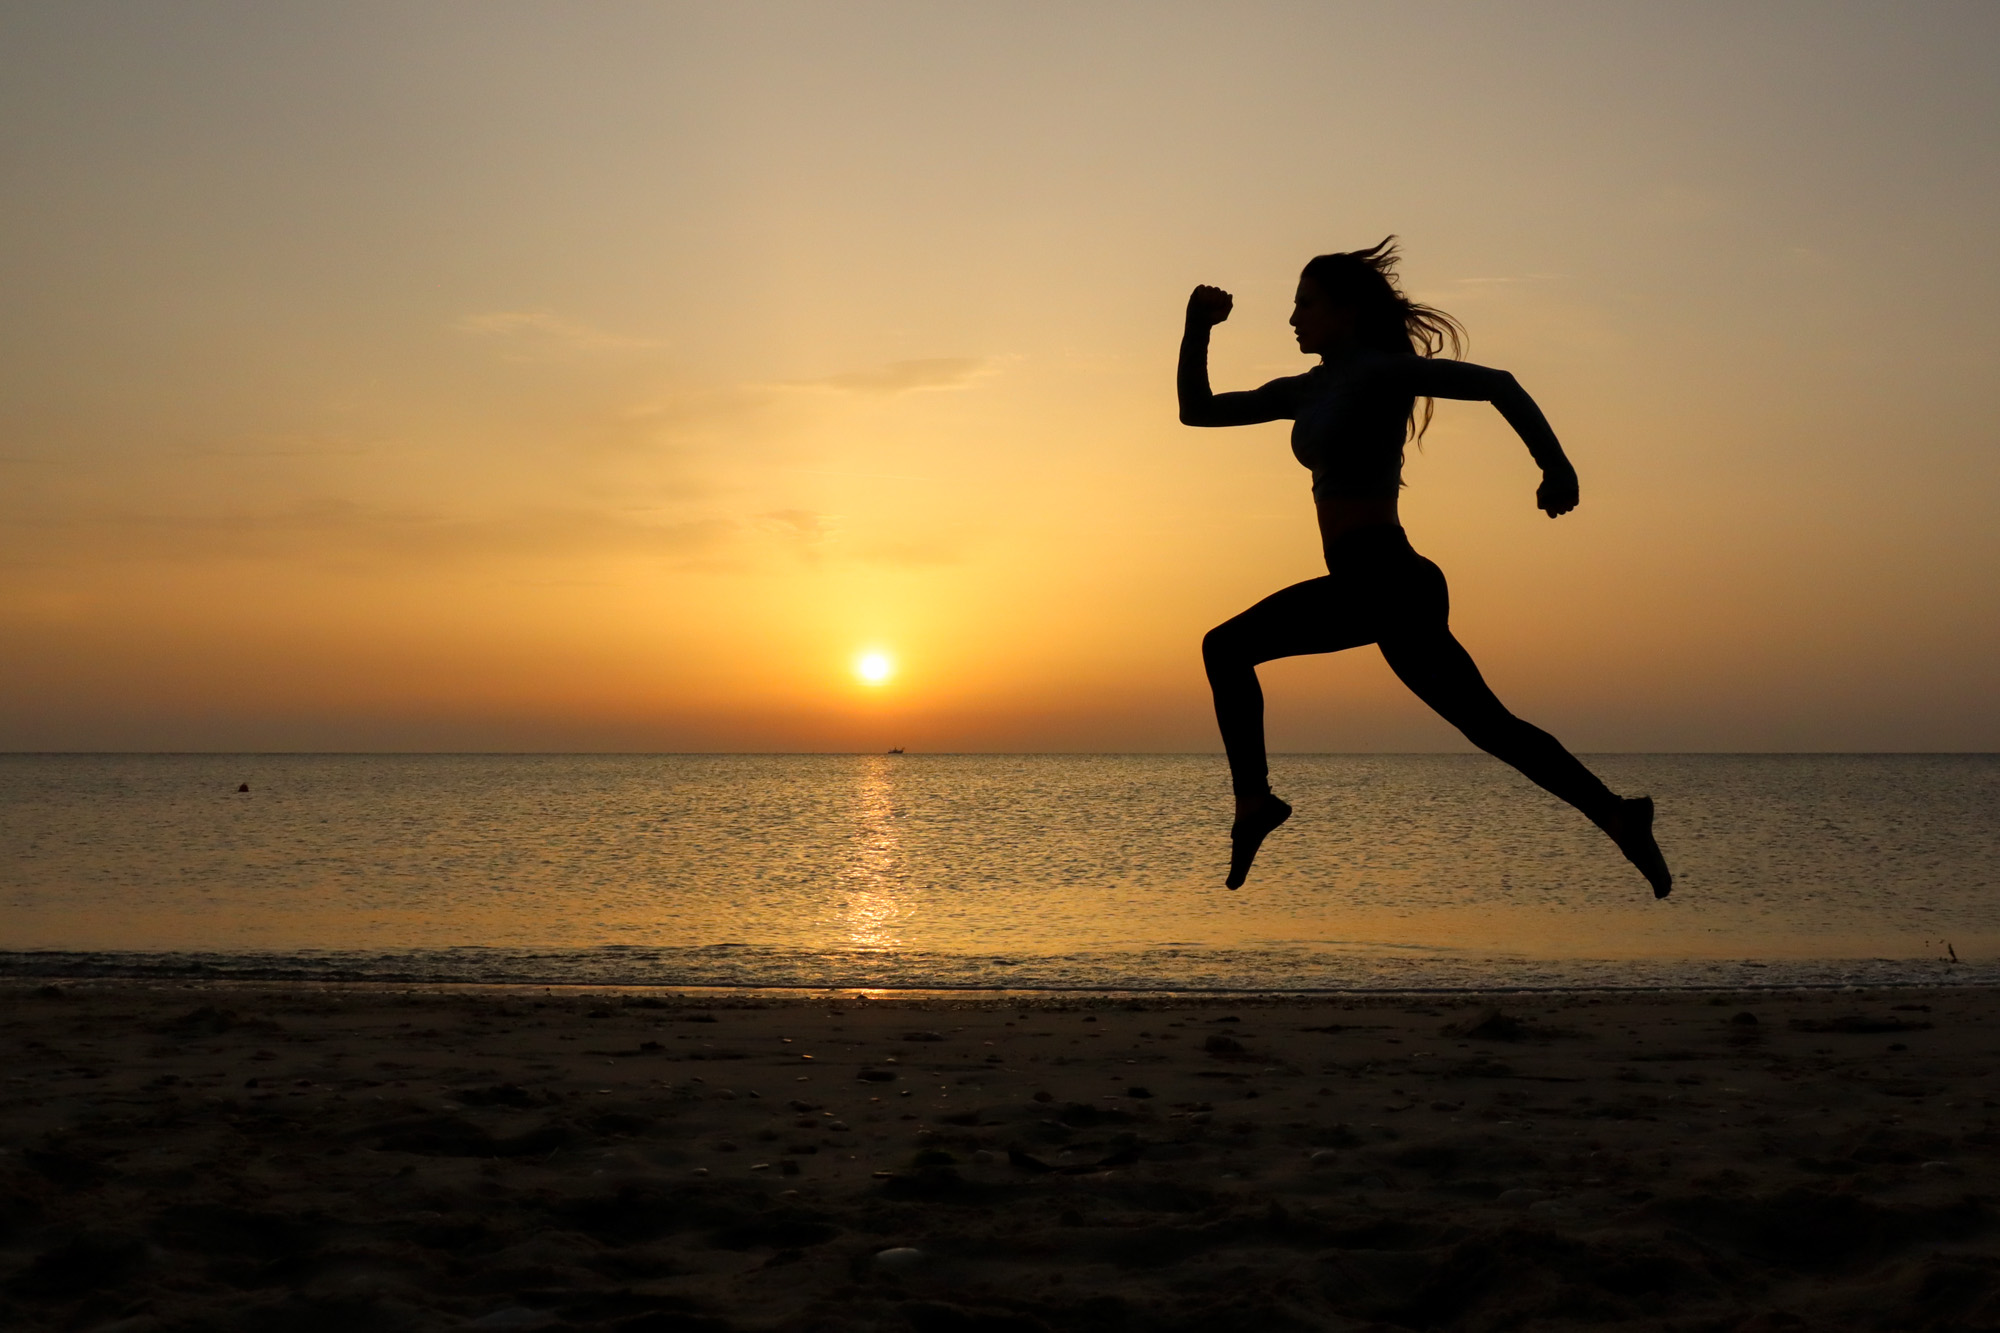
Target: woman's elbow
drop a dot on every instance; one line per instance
(1505, 392)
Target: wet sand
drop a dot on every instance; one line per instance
(319, 1158)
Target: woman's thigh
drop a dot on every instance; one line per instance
(1322, 615)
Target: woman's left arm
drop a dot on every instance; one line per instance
(1438, 378)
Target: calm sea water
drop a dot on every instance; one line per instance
(1018, 871)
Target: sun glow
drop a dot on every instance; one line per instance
(874, 667)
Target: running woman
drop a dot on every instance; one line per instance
(1380, 358)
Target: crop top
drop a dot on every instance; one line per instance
(1349, 432)
(1349, 420)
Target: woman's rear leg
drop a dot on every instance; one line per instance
(1439, 671)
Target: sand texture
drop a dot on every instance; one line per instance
(319, 1158)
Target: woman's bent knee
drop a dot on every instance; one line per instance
(1222, 648)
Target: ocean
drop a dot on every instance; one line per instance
(1039, 872)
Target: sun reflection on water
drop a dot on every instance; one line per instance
(874, 905)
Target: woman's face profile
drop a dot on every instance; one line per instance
(1320, 325)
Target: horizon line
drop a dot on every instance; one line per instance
(919, 754)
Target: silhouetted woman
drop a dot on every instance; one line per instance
(1352, 414)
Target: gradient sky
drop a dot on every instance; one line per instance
(501, 376)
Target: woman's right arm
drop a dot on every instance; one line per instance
(1206, 308)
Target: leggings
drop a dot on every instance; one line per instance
(1378, 590)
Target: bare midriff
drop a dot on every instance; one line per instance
(1342, 514)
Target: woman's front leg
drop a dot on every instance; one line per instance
(1304, 618)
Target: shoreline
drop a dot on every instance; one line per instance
(988, 996)
(1277, 971)
(200, 1154)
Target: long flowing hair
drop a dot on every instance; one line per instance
(1386, 319)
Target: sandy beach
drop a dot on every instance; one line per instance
(305, 1158)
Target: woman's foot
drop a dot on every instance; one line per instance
(1632, 829)
(1254, 821)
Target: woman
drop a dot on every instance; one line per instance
(1352, 415)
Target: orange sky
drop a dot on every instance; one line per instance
(501, 376)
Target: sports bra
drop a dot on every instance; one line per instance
(1348, 426)
(1349, 420)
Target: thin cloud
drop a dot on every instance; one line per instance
(802, 525)
(346, 529)
(725, 407)
(867, 476)
(1507, 281)
(916, 553)
(545, 331)
(936, 372)
(731, 409)
(275, 446)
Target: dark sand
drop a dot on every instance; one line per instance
(300, 1159)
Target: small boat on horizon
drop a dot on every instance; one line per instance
(895, 749)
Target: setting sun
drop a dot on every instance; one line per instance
(874, 667)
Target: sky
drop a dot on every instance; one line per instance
(498, 376)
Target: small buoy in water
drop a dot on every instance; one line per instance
(243, 786)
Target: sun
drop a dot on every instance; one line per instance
(874, 667)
